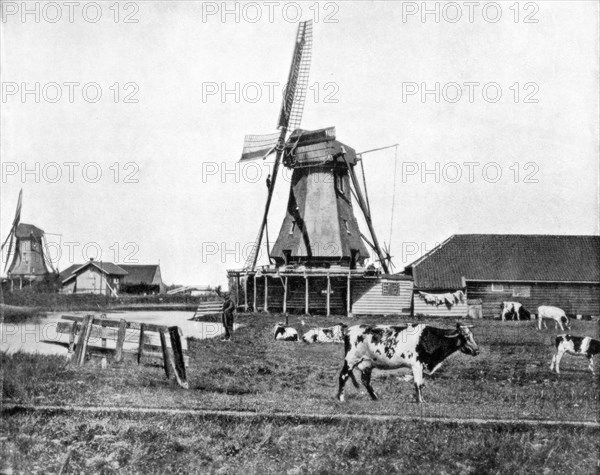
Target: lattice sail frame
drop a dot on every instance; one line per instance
(292, 106)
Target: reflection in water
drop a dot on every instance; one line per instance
(42, 336)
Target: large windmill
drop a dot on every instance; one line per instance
(26, 252)
(320, 226)
(319, 248)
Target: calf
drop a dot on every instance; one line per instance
(575, 345)
(334, 334)
(281, 332)
(514, 311)
(388, 347)
(546, 312)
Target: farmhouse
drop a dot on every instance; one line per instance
(93, 277)
(562, 271)
(142, 279)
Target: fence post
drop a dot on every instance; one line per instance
(165, 351)
(72, 336)
(120, 340)
(179, 363)
(141, 345)
(84, 335)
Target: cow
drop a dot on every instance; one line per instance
(419, 347)
(281, 332)
(334, 334)
(514, 311)
(546, 312)
(575, 345)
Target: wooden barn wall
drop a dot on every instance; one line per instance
(421, 307)
(368, 298)
(574, 299)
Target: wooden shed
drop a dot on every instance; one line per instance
(563, 271)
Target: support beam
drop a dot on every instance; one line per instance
(237, 290)
(246, 293)
(266, 294)
(254, 303)
(306, 295)
(285, 287)
(363, 206)
(348, 298)
(328, 295)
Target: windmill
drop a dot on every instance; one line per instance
(319, 228)
(27, 250)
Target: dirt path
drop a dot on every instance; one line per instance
(304, 417)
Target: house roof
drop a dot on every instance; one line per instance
(107, 267)
(137, 274)
(26, 230)
(508, 257)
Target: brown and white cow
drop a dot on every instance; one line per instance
(514, 311)
(419, 347)
(334, 334)
(575, 345)
(546, 312)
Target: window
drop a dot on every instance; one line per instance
(497, 288)
(521, 291)
(293, 227)
(346, 226)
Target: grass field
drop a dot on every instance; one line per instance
(509, 379)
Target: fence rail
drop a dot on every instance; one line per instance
(89, 336)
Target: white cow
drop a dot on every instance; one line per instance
(546, 312)
(334, 334)
(281, 332)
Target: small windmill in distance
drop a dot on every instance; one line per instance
(27, 251)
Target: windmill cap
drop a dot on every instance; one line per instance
(25, 231)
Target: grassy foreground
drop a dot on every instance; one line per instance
(510, 379)
(36, 443)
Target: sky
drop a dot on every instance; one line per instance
(123, 122)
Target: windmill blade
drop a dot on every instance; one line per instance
(18, 210)
(295, 91)
(259, 146)
(10, 246)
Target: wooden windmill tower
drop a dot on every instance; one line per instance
(319, 238)
(26, 252)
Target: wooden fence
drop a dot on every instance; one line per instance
(89, 336)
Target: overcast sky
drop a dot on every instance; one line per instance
(166, 140)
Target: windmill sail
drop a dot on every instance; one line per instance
(290, 115)
(295, 93)
(259, 146)
(13, 229)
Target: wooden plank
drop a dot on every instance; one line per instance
(72, 334)
(178, 360)
(150, 327)
(141, 343)
(165, 354)
(120, 340)
(84, 334)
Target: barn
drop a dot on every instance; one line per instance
(93, 277)
(562, 271)
(142, 279)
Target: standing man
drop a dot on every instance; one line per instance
(228, 309)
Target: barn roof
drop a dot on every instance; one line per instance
(508, 257)
(138, 274)
(107, 267)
